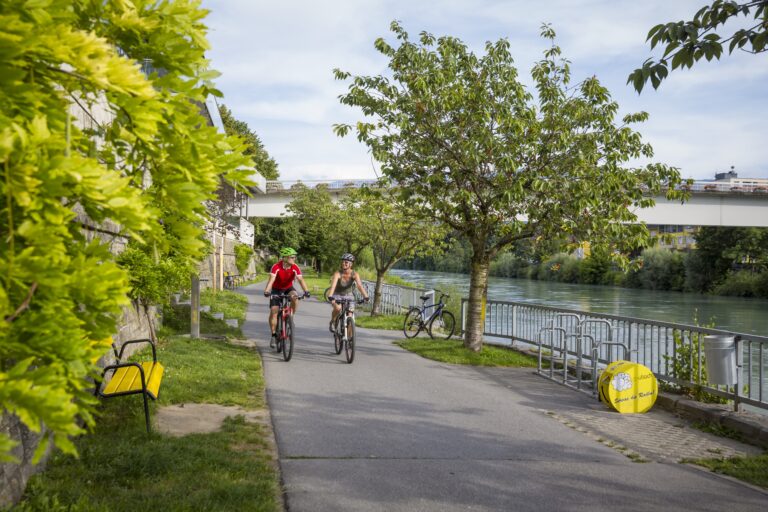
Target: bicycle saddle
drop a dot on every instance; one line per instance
(424, 297)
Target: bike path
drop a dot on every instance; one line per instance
(396, 432)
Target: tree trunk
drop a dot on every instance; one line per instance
(377, 293)
(478, 292)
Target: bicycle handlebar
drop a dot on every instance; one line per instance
(280, 296)
(347, 301)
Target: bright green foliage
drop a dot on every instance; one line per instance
(392, 228)
(688, 366)
(686, 42)
(153, 281)
(243, 255)
(83, 130)
(254, 148)
(461, 135)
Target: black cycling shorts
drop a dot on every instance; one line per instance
(276, 301)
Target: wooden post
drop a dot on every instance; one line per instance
(195, 307)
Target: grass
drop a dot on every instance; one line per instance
(753, 469)
(176, 318)
(718, 430)
(232, 304)
(388, 322)
(122, 468)
(200, 371)
(453, 351)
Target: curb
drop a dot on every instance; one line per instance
(752, 428)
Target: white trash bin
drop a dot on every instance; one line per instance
(720, 359)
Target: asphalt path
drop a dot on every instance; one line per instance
(397, 432)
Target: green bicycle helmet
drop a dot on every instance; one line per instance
(288, 251)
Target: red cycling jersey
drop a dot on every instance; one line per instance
(284, 276)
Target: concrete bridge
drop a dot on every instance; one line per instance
(710, 204)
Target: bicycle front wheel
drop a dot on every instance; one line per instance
(338, 341)
(279, 335)
(412, 324)
(288, 342)
(442, 326)
(349, 346)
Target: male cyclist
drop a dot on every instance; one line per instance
(281, 283)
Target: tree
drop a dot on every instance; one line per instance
(325, 229)
(720, 249)
(142, 171)
(462, 136)
(686, 42)
(392, 229)
(254, 148)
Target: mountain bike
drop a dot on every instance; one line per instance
(438, 324)
(284, 332)
(344, 329)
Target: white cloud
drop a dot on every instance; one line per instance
(277, 60)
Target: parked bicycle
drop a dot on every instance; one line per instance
(284, 332)
(440, 323)
(344, 328)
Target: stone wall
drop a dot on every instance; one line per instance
(206, 267)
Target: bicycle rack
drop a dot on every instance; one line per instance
(558, 342)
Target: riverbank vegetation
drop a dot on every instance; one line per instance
(725, 261)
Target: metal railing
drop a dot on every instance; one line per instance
(583, 341)
(273, 187)
(396, 299)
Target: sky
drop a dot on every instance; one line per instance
(276, 60)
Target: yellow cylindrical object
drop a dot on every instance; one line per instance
(628, 387)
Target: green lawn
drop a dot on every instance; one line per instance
(753, 470)
(122, 468)
(453, 351)
(388, 322)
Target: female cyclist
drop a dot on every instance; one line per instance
(343, 283)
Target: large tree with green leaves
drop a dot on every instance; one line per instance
(460, 134)
(254, 148)
(89, 141)
(325, 228)
(686, 42)
(393, 230)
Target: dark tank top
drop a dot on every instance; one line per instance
(345, 287)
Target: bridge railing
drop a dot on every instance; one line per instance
(710, 186)
(674, 352)
(274, 187)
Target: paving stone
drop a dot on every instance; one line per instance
(654, 436)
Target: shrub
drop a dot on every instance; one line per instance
(739, 284)
(243, 256)
(662, 270)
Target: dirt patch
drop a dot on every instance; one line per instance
(183, 419)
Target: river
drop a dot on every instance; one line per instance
(728, 313)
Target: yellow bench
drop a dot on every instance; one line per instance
(132, 378)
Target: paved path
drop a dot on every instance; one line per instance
(396, 432)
